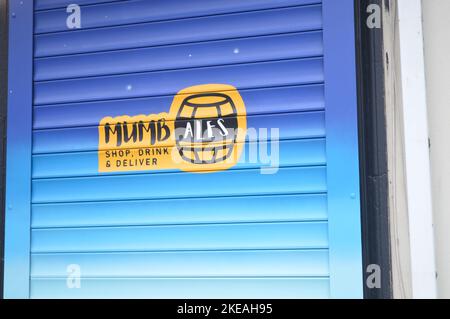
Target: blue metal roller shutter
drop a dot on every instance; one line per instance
(231, 234)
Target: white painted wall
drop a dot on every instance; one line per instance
(436, 26)
(416, 150)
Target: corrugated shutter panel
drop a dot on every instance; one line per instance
(167, 234)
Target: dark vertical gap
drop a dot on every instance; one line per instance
(3, 109)
(373, 150)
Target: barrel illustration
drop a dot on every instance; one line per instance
(206, 126)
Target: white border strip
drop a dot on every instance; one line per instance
(417, 159)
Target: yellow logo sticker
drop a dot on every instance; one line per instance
(204, 131)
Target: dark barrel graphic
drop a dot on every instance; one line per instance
(205, 128)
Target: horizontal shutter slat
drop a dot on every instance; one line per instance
(244, 76)
(138, 11)
(304, 263)
(179, 288)
(306, 125)
(257, 101)
(181, 56)
(166, 212)
(173, 185)
(291, 153)
(52, 4)
(162, 33)
(295, 235)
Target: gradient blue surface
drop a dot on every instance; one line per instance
(185, 288)
(171, 234)
(286, 99)
(346, 277)
(132, 85)
(246, 209)
(205, 28)
(252, 263)
(111, 14)
(182, 56)
(18, 158)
